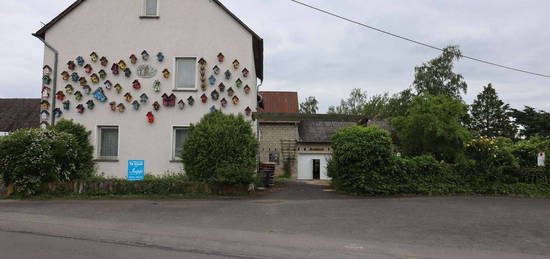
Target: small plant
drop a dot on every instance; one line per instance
(288, 162)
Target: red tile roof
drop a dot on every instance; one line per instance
(280, 102)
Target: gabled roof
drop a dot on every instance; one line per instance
(257, 41)
(320, 131)
(18, 114)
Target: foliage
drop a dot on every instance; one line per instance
(433, 126)
(84, 149)
(492, 161)
(437, 77)
(30, 158)
(527, 150)
(490, 116)
(309, 106)
(221, 149)
(287, 166)
(399, 104)
(533, 123)
(377, 106)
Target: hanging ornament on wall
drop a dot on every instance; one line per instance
(248, 111)
(230, 92)
(150, 117)
(203, 86)
(44, 105)
(113, 106)
(191, 100)
(217, 70)
(88, 68)
(166, 73)
(247, 89)
(80, 108)
(136, 105)
(94, 57)
(213, 108)
(102, 74)
(104, 61)
(136, 85)
(221, 57)
(245, 72)
(46, 80)
(212, 80)
(67, 105)
(145, 55)
(204, 98)
(75, 77)
(115, 69)
(94, 78)
(87, 89)
(44, 115)
(165, 99)
(156, 86)
(160, 57)
(46, 92)
(172, 100)
(122, 65)
(100, 95)
(236, 64)
(239, 83)
(83, 81)
(118, 88)
(65, 75)
(221, 87)
(121, 107)
(215, 95)
(127, 72)
(128, 97)
(223, 102)
(57, 112)
(108, 85)
(144, 98)
(228, 74)
(71, 65)
(78, 95)
(46, 70)
(60, 95)
(80, 61)
(69, 89)
(202, 64)
(235, 100)
(133, 59)
(156, 106)
(181, 104)
(90, 104)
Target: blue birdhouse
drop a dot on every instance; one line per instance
(100, 95)
(227, 74)
(80, 61)
(136, 105)
(67, 105)
(57, 112)
(46, 80)
(144, 98)
(212, 80)
(75, 77)
(213, 108)
(160, 57)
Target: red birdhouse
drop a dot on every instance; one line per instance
(204, 98)
(165, 99)
(172, 100)
(221, 57)
(136, 85)
(60, 95)
(88, 68)
(80, 108)
(150, 117)
(115, 69)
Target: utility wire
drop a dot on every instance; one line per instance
(415, 41)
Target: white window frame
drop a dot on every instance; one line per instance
(175, 158)
(98, 155)
(176, 89)
(144, 10)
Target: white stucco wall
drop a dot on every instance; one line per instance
(114, 29)
(305, 165)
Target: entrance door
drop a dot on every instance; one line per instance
(316, 169)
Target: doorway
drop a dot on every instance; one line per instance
(316, 169)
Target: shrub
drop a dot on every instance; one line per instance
(221, 149)
(84, 150)
(526, 151)
(361, 159)
(31, 157)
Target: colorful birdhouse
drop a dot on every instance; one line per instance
(248, 111)
(160, 57)
(204, 98)
(78, 95)
(94, 78)
(221, 57)
(104, 61)
(80, 61)
(44, 115)
(136, 85)
(221, 87)
(217, 70)
(204, 85)
(133, 59)
(166, 73)
(115, 69)
(156, 106)
(136, 105)
(108, 85)
(247, 89)
(202, 63)
(83, 81)
(80, 108)
(144, 98)
(46, 70)
(46, 80)
(156, 86)
(230, 92)
(165, 99)
(60, 95)
(127, 72)
(239, 83)
(245, 72)
(235, 100)
(128, 97)
(215, 95)
(69, 89)
(236, 64)
(213, 108)
(102, 74)
(228, 74)
(191, 100)
(150, 117)
(87, 89)
(94, 57)
(88, 68)
(118, 88)
(67, 105)
(100, 95)
(46, 92)
(212, 80)
(223, 102)
(145, 55)
(65, 75)
(71, 65)
(181, 104)
(113, 106)
(121, 107)
(122, 65)
(90, 104)
(172, 100)
(75, 77)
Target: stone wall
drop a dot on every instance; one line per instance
(277, 141)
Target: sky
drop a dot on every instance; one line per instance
(321, 56)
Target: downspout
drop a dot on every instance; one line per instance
(54, 88)
(258, 127)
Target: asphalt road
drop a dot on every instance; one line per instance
(300, 221)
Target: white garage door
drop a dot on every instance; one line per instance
(312, 166)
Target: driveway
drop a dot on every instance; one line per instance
(298, 221)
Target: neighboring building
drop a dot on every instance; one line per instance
(18, 114)
(137, 73)
(280, 102)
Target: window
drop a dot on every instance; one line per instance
(186, 72)
(108, 142)
(150, 8)
(180, 135)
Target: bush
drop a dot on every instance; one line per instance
(527, 150)
(30, 158)
(221, 149)
(84, 150)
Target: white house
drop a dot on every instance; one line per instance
(137, 73)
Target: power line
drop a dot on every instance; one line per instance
(417, 42)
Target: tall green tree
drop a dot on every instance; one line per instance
(433, 125)
(533, 123)
(437, 76)
(309, 106)
(359, 103)
(490, 115)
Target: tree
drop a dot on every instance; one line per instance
(533, 123)
(399, 103)
(437, 77)
(360, 104)
(490, 115)
(433, 125)
(309, 106)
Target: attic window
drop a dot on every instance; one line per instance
(150, 8)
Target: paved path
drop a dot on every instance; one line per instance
(300, 221)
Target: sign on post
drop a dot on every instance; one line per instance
(136, 170)
(540, 159)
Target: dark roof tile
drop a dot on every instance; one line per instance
(19, 113)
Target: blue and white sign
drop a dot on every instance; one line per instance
(136, 170)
